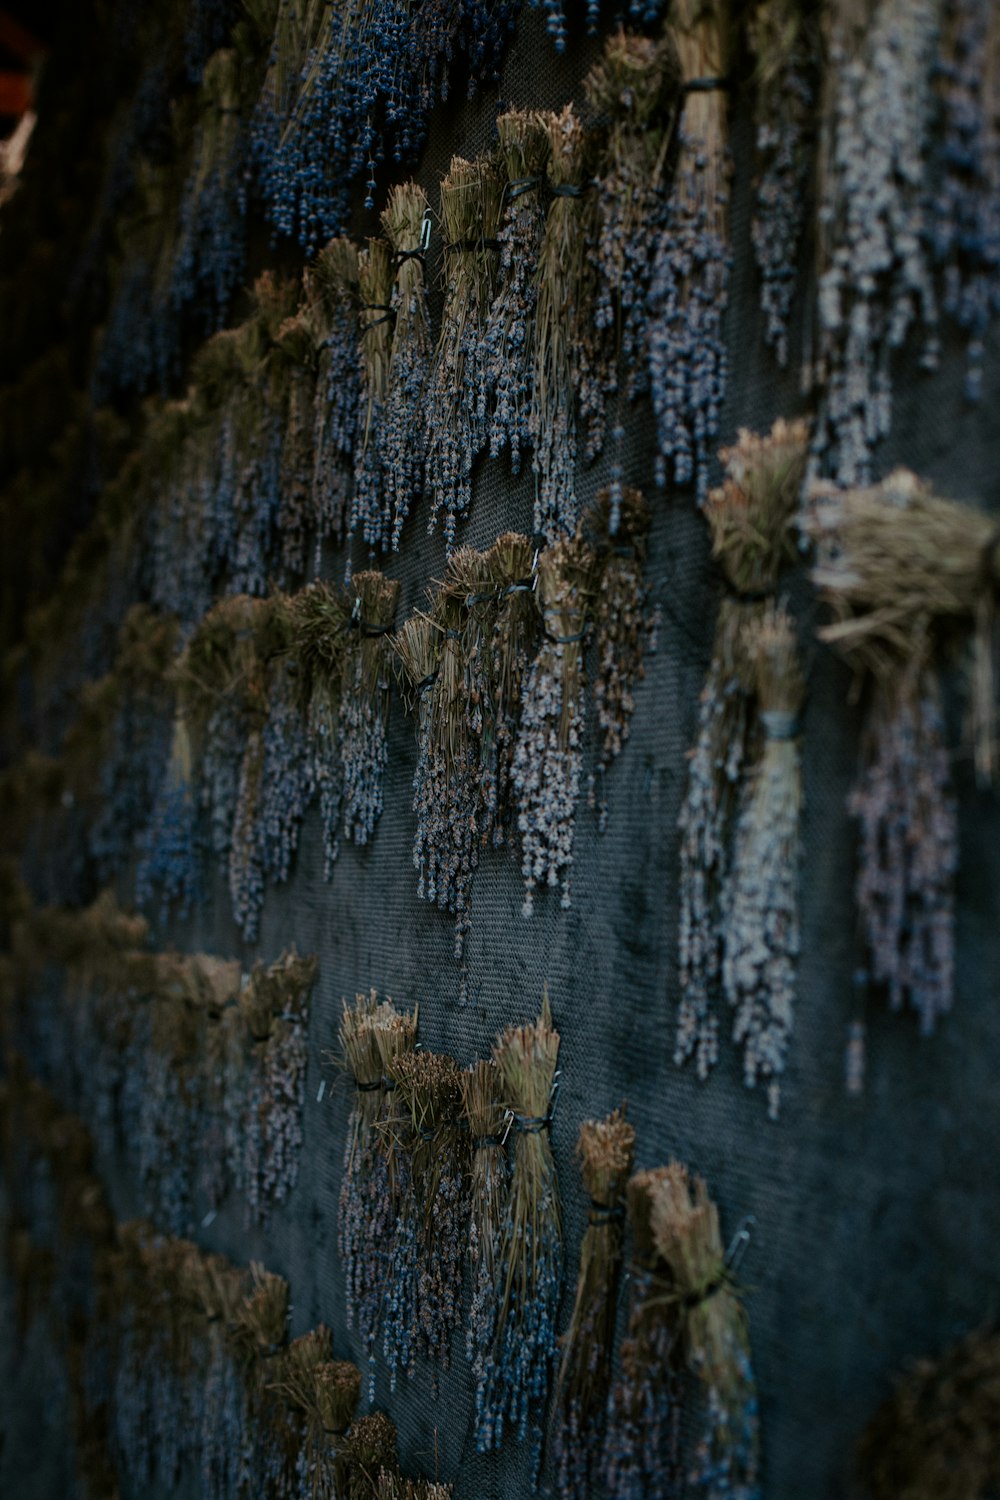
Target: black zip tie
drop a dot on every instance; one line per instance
(569, 190)
(400, 255)
(706, 85)
(746, 596)
(481, 1142)
(377, 307)
(472, 244)
(388, 1084)
(426, 682)
(532, 1124)
(605, 1213)
(453, 635)
(335, 1431)
(780, 725)
(426, 1133)
(471, 600)
(387, 317)
(522, 586)
(367, 1088)
(520, 185)
(691, 1300)
(367, 628)
(565, 640)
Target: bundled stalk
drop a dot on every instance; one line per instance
(561, 375)
(749, 516)
(874, 277)
(711, 1336)
(905, 573)
(402, 435)
(690, 284)
(291, 398)
(425, 1272)
(786, 50)
(219, 1288)
(643, 1430)
(362, 729)
(486, 1116)
(620, 532)
(548, 755)
(375, 283)
(369, 1450)
(336, 1386)
(635, 88)
(319, 616)
(332, 288)
(605, 1150)
(510, 566)
(294, 1443)
(456, 401)
(509, 335)
(529, 1260)
(259, 1334)
(934, 1438)
(761, 909)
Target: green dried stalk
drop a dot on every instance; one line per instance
(606, 1150)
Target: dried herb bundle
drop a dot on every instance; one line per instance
(785, 43)
(331, 286)
(529, 1260)
(605, 1150)
(690, 284)
(425, 1272)
(375, 285)
(455, 408)
(402, 439)
(749, 517)
(904, 573)
(486, 1116)
(760, 905)
(711, 1336)
(634, 87)
(291, 400)
(643, 1434)
(364, 706)
(508, 338)
(564, 295)
(318, 628)
(548, 754)
(874, 275)
(370, 1450)
(935, 1438)
(510, 566)
(619, 531)
(335, 1391)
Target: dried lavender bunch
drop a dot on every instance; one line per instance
(785, 44)
(319, 617)
(934, 1438)
(332, 287)
(455, 408)
(749, 517)
(908, 854)
(360, 1056)
(606, 1150)
(712, 1336)
(690, 285)
(634, 87)
(562, 326)
(364, 705)
(875, 281)
(291, 398)
(296, 1442)
(336, 1386)
(761, 906)
(508, 337)
(619, 529)
(259, 1333)
(964, 211)
(402, 435)
(369, 1450)
(424, 1304)
(529, 1260)
(219, 1289)
(510, 566)
(548, 754)
(486, 1116)
(375, 285)
(641, 1451)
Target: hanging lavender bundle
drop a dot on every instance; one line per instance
(562, 324)
(508, 336)
(374, 353)
(875, 281)
(318, 623)
(370, 1452)
(548, 754)
(211, 248)
(785, 45)
(485, 1115)
(291, 399)
(170, 856)
(364, 705)
(634, 87)
(619, 529)
(258, 1332)
(372, 1035)
(749, 517)
(336, 1386)
(690, 285)
(220, 1289)
(761, 905)
(711, 1336)
(529, 1260)
(905, 573)
(406, 223)
(424, 1304)
(510, 566)
(641, 1452)
(605, 1150)
(964, 211)
(418, 645)
(332, 287)
(455, 410)
(295, 1436)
